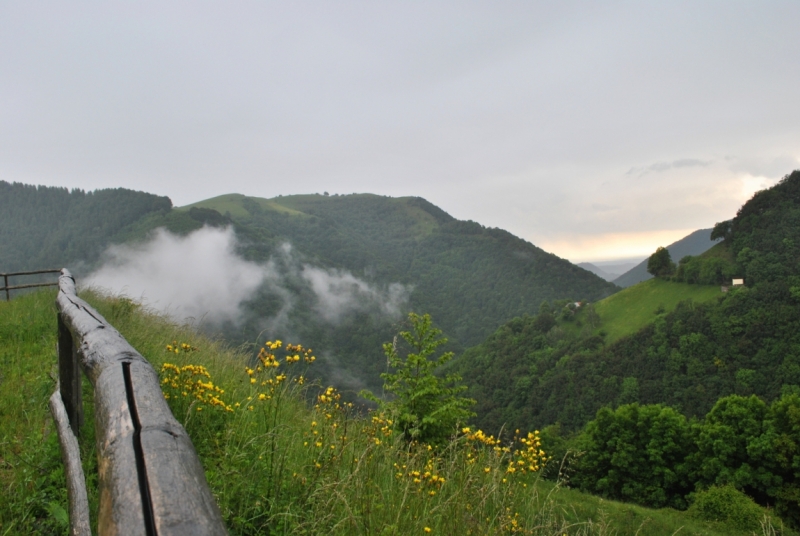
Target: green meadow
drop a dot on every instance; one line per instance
(629, 310)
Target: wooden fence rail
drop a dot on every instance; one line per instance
(7, 288)
(151, 480)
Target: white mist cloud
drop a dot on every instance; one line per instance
(201, 277)
(197, 276)
(339, 292)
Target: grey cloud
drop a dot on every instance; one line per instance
(772, 168)
(339, 293)
(194, 100)
(660, 167)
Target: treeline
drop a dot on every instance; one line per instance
(49, 227)
(653, 455)
(468, 277)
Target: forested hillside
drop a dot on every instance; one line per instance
(545, 369)
(44, 227)
(470, 278)
(465, 275)
(340, 271)
(706, 394)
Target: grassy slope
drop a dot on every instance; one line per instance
(32, 494)
(232, 203)
(631, 309)
(347, 498)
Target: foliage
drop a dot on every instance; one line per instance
(660, 263)
(651, 455)
(721, 231)
(706, 270)
(637, 453)
(724, 441)
(765, 234)
(728, 505)
(426, 407)
(536, 371)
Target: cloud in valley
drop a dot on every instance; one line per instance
(194, 277)
(200, 277)
(338, 293)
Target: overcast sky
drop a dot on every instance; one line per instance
(595, 130)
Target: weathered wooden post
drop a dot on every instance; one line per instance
(151, 480)
(69, 375)
(5, 284)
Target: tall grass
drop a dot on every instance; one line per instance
(32, 494)
(283, 456)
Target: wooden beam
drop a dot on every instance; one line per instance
(147, 464)
(76, 482)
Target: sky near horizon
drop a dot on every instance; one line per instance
(597, 131)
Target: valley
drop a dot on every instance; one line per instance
(649, 382)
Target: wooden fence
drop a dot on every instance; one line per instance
(150, 478)
(7, 288)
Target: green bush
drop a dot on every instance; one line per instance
(728, 505)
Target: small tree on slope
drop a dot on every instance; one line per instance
(426, 408)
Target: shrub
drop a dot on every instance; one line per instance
(427, 408)
(728, 505)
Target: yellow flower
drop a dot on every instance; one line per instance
(427, 529)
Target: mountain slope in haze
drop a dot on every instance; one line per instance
(468, 277)
(45, 227)
(609, 273)
(608, 270)
(693, 244)
(340, 272)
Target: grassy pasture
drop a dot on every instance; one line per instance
(631, 309)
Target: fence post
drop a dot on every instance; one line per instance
(69, 374)
(5, 284)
